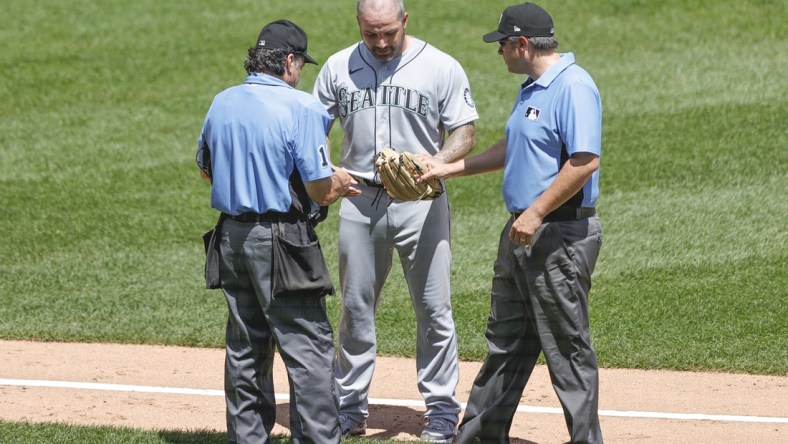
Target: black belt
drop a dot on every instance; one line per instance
(565, 213)
(369, 183)
(254, 217)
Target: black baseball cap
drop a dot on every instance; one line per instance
(527, 19)
(284, 34)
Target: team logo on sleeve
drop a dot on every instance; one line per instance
(532, 113)
(468, 98)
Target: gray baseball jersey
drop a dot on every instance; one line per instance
(398, 104)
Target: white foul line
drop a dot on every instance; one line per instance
(381, 401)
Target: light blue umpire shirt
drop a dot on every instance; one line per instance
(554, 117)
(257, 133)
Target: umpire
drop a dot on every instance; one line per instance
(549, 246)
(261, 143)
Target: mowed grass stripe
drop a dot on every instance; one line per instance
(102, 210)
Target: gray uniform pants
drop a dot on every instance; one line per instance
(369, 232)
(298, 327)
(539, 303)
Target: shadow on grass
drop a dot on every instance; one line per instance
(195, 437)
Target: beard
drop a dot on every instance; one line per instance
(390, 52)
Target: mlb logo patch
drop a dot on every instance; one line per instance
(532, 113)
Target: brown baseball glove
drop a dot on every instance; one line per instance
(398, 173)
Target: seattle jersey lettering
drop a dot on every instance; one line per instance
(392, 95)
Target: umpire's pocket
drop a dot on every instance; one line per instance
(211, 259)
(211, 245)
(299, 270)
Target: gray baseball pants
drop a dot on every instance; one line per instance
(298, 327)
(369, 232)
(539, 303)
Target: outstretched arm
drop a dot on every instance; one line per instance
(327, 190)
(490, 160)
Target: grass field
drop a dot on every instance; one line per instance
(25, 433)
(101, 208)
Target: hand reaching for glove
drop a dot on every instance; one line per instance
(402, 175)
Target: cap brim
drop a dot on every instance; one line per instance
(494, 36)
(309, 59)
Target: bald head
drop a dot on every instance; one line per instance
(365, 8)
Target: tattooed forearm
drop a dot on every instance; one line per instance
(460, 142)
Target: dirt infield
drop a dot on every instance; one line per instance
(635, 406)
